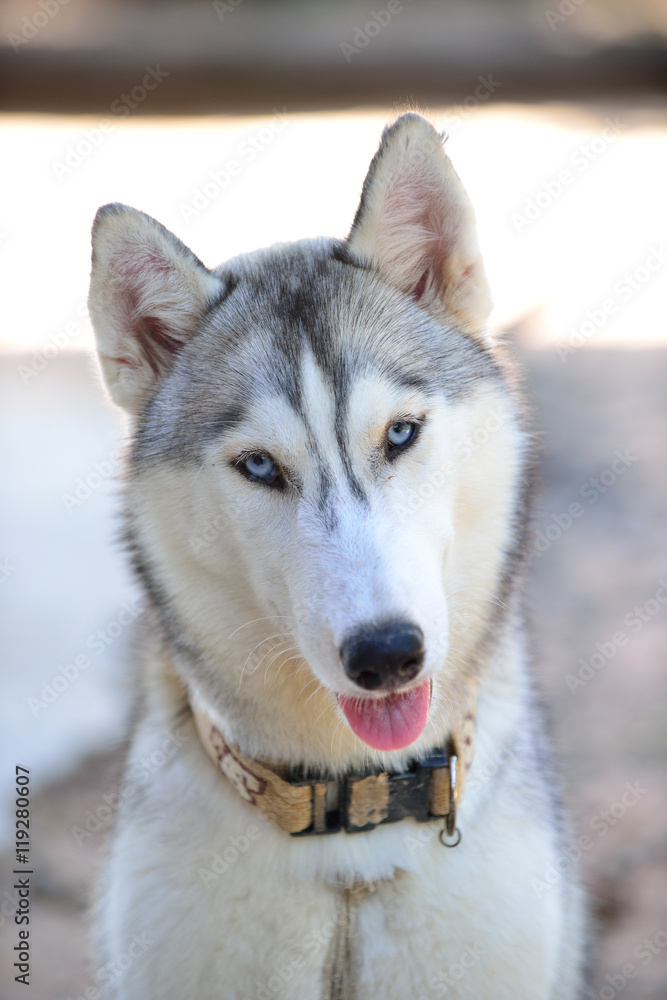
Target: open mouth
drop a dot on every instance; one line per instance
(391, 722)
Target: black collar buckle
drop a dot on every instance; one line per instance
(365, 801)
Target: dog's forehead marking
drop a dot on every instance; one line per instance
(318, 405)
(322, 399)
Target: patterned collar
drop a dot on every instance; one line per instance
(305, 805)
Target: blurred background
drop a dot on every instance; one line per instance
(557, 124)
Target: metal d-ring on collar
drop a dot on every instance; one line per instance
(450, 835)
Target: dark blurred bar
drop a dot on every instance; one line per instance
(254, 55)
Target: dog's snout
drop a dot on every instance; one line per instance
(383, 656)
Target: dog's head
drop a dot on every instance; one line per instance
(325, 459)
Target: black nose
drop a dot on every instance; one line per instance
(383, 656)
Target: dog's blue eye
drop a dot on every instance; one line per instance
(261, 467)
(400, 433)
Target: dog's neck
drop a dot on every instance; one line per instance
(303, 804)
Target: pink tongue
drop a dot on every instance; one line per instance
(389, 723)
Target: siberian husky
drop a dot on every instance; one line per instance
(338, 784)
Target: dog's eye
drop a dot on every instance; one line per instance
(261, 468)
(401, 433)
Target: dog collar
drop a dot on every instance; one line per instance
(429, 790)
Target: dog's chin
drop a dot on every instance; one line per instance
(391, 721)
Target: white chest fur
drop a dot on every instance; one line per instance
(227, 905)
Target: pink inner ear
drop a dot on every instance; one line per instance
(414, 216)
(156, 341)
(420, 287)
(150, 329)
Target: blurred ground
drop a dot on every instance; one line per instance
(598, 626)
(600, 402)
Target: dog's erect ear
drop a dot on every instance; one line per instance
(416, 224)
(148, 293)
